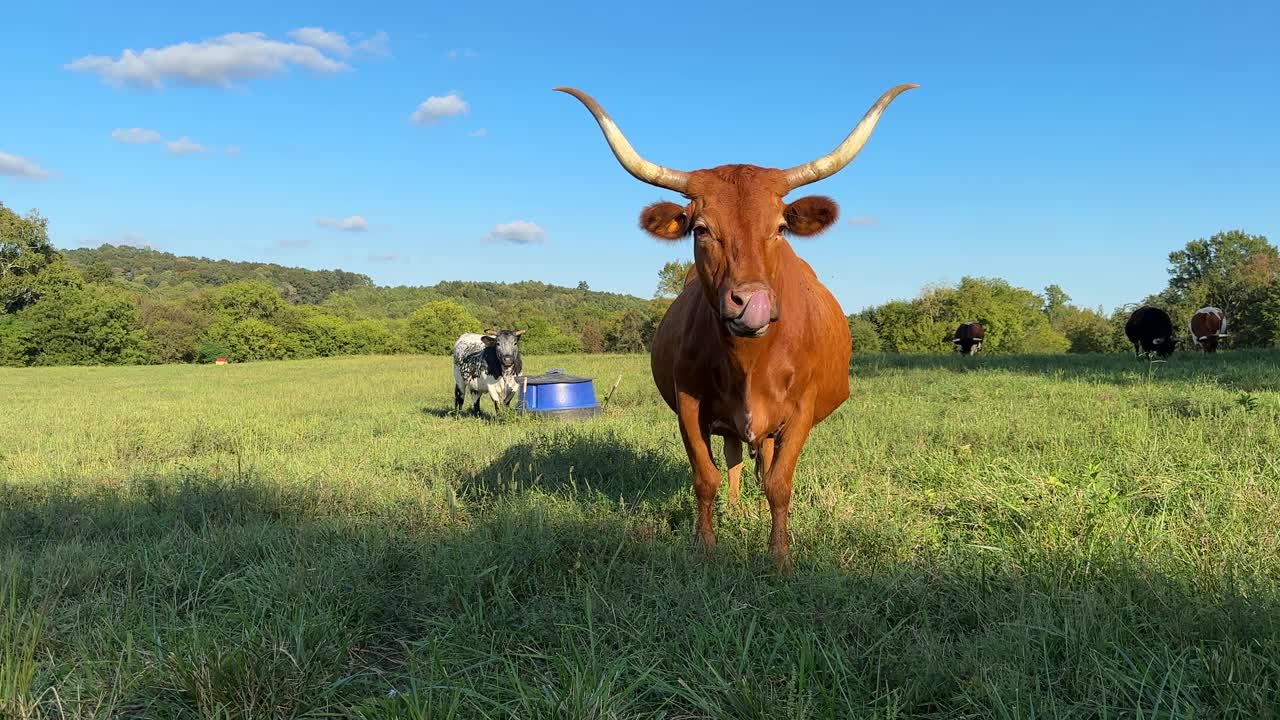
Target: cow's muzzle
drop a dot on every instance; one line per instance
(747, 309)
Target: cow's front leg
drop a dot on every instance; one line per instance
(496, 391)
(706, 476)
(778, 483)
(733, 458)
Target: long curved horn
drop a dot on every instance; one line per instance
(640, 168)
(834, 161)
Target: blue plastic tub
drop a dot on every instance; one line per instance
(557, 394)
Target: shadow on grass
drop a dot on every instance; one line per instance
(576, 464)
(1246, 370)
(486, 415)
(207, 597)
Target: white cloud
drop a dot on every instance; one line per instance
(216, 62)
(185, 146)
(378, 44)
(460, 53)
(519, 232)
(135, 136)
(355, 223)
(864, 220)
(435, 108)
(479, 132)
(20, 167)
(182, 146)
(322, 39)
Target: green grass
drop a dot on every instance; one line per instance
(1027, 537)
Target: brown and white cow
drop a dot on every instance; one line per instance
(1208, 325)
(968, 338)
(755, 349)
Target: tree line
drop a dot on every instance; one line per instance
(127, 305)
(1232, 270)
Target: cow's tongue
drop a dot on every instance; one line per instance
(756, 314)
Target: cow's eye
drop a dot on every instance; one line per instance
(700, 232)
(782, 228)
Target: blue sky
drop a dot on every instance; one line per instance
(1075, 143)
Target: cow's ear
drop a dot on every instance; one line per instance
(810, 215)
(665, 220)
(488, 340)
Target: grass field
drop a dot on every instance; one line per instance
(1066, 537)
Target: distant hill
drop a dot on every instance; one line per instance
(153, 269)
(557, 318)
(352, 293)
(483, 299)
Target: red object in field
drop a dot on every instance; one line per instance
(220, 361)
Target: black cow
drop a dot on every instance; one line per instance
(1151, 331)
(968, 338)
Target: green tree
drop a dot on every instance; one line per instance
(865, 339)
(30, 267)
(435, 327)
(152, 270)
(1087, 331)
(322, 335)
(1216, 263)
(903, 327)
(671, 278)
(256, 299)
(1232, 270)
(542, 337)
(210, 350)
(373, 337)
(250, 339)
(627, 334)
(175, 329)
(17, 346)
(99, 272)
(1055, 300)
(1013, 319)
(93, 325)
(656, 310)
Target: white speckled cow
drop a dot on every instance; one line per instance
(488, 363)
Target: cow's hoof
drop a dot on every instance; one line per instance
(782, 564)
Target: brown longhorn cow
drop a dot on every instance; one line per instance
(755, 349)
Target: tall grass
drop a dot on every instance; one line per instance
(1087, 537)
(20, 631)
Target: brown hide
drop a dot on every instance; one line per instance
(750, 387)
(754, 349)
(765, 391)
(1206, 329)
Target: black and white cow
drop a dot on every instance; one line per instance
(488, 363)
(968, 338)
